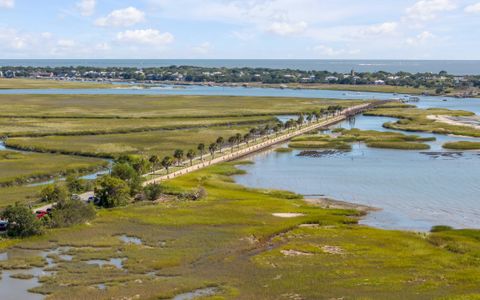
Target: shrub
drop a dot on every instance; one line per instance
(53, 193)
(22, 222)
(440, 228)
(112, 192)
(75, 184)
(195, 195)
(71, 212)
(152, 191)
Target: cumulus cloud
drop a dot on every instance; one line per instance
(7, 3)
(86, 7)
(287, 28)
(474, 8)
(146, 37)
(122, 18)
(421, 38)
(425, 10)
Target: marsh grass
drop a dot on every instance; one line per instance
(462, 145)
(231, 240)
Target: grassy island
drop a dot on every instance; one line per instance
(462, 145)
(372, 138)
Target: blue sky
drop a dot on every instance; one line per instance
(317, 29)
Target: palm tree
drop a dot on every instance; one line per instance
(246, 137)
(167, 162)
(178, 155)
(201, 148)
(300, 120)
(154, 160)
(220, 141)
(191, 155)
(316, 115)
(212, 148)
(238, 139)
(309, 118)
(231, 141)
(253, 132)
(277, 128)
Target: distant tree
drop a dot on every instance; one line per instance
(231, 142)
(238, 139)
(75, 184)
(152, 191)
(247, 137)
(178, 155)
(112, 192)
(300, 120)
(129, 174)
(212, 148)
(220, 141)
(167, 162)
(201, 148)
(22, 222)
(53, 193)
(154, 161)
(191, 155)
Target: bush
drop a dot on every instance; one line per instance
(22, 222)
(152, 191)
(71, 212)
(129, 174)
(112, 192)
(198, 194)
(53, 193)
(440, 228)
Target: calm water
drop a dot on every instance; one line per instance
(414, 190)
(460, 67)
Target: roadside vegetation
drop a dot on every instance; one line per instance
(187, 245)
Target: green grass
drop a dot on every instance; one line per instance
(283, 150)
(48, 84)
(339, 145)
(111, 145)
(24, 194)
(231, 240)
(414, 119)
(157, 106)
(18, 168)
(30, 127)
(462, 145)
(398, 145)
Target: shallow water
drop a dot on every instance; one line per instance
(117, 262)
(196, 294)
(130, 240)
(414, 189)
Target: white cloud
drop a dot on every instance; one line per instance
(420, 39)
(7, 3)
(474, 8)
(122, 18)
(379, 29)
(328, 51)
(287, 28)
(145, 36)
(203, 48)
(425, 10)
(86, 7)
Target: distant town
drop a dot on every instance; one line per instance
(441, 82)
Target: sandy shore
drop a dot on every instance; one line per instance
(458, 121)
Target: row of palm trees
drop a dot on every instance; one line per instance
(237, 139)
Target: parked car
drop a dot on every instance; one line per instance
(3, 225)
(40, 214)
